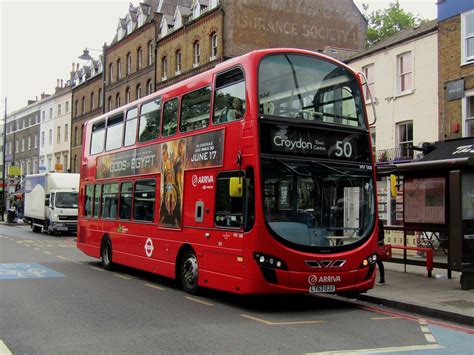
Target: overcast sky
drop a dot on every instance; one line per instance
(39, 40)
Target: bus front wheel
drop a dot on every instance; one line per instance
(189, 272)
(106, 254)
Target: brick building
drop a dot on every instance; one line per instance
(456, 68)
(129, 59)
(195, 35)
(87, 99)
(22, 147)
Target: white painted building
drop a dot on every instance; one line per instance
(402, 73)
(62, 128)
(46, 135)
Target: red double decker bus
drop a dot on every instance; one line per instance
(253, 177)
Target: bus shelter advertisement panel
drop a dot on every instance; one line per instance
(170, 159)
(425, 200)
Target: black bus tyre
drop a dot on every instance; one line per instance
(189, 272)
(35, 229)
(106, 254)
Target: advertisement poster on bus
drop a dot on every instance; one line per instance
(171, 189)
(170, 159)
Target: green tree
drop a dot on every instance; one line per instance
(385, 23)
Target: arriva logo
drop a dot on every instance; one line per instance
(314, 279)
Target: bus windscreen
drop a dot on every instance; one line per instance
(307, 88)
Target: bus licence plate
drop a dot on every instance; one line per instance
(322, 288)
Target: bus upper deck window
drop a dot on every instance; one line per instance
(150, 116)
(195, 110)
(229, 100)
(113, 139)
(170, 117)
(131, 127)
(98, 137)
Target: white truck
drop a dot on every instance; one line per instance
(51, 202)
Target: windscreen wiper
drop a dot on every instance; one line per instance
(315, 162)
(289, 168)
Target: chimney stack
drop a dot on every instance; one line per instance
(62, 83)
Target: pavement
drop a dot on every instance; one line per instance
(413, 291)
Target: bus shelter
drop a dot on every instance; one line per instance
(438, 199)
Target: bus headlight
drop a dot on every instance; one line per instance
(269, 261)
(369, 261)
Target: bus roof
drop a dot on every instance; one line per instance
(199, 80)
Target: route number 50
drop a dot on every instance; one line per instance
(343, 149)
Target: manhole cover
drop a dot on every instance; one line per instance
(459, 303)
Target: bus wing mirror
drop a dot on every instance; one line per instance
(235, 187)
(365, 82)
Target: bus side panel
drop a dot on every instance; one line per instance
(155, 266)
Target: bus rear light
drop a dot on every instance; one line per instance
(269, 261)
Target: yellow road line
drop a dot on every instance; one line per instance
(380, 350)
(281, 323)
(123, 276)
(198, 301)
(157, 287)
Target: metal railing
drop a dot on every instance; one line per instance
(396, 154)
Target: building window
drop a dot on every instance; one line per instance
(29, 142)
(139, 58)
(66, 132)
(100, 97)
(50, 113)
(127, 96)
(138, 91)
(35, 166)
(59, 110)
(42, 139)
(164, 68)
(149, 87)
(129, 64)
(369, 72)
(117, 100)
(178, 62)
(119, 69)
(111, 70)
(467, 37)
(75, 136)
(197, 53)
(110, 106)
(50, 136)
(43, 115)
(83, 105)
(150, 53)
(58, 135)
(76, 104)
(405, 72)
(213, 46)
(92, 101)
(405, 138)
(23, 144)
(67, 106)
(36, 140)
(17, 146)
(468, 127)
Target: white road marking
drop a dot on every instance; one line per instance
(157, 287)
(198, 301)
(4, 349)
(61, 257)
(430, 338)
(281, 323)
(47, 252)
(97, 268)
(123, 276)
(380, 350)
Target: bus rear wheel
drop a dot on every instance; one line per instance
(106, 254)
(189, 272)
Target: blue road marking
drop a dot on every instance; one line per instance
(455, 342)
(20, 271)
